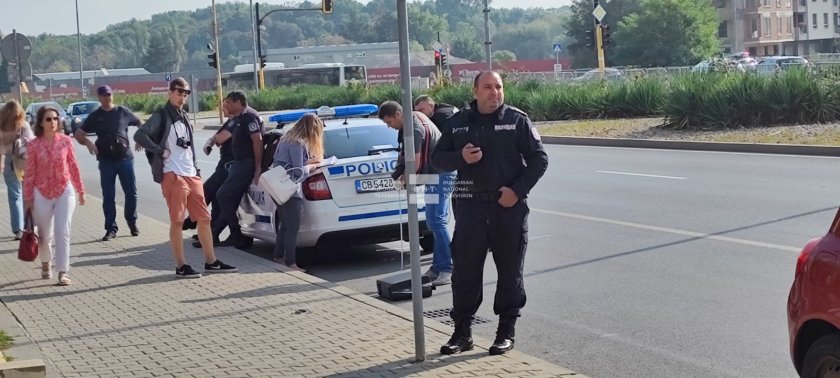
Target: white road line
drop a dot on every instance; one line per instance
(642, 175)
(698, 151)
(671, 230)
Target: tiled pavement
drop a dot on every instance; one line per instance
(126, 315)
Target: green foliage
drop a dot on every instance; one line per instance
(504, 56)
(6, 341)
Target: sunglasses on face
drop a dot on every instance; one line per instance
(50, 119)
(183, 91)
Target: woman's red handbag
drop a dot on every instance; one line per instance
(28, 249)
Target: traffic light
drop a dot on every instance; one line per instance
(442, 60)
(262, 61)
(437, 58)
(212, 63)
(589, 38)
(605, 34)
(327, 6)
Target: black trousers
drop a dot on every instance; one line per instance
(211, 187)
(480, 226)
(229, 195)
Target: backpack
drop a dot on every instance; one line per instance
(270, 141)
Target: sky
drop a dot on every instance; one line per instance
(34, 17)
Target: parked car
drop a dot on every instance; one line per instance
(77, 113)
(32, 111)
(352, 201)
(773, 64)
(610, 74)
(718, 65)
(813, 307)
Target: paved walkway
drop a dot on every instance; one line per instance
(126, 315)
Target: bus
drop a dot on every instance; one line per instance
(277, 75)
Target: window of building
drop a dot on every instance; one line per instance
(775, 49)
(722, 30)
(825, 20)
(767, 30)
(814, 20)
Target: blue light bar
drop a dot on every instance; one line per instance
(342, 111)
(287, 116)
(355, 110)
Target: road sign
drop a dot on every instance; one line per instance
(26, 71)
(24, 47)
(599, 13)
(167, 77)
(558, 67)
(558, 47)
(13, 72)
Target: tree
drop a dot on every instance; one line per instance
(424, 27)
(159, 56)
(503, 56)
(468, 49)
(686, 32)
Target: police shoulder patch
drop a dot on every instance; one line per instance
(253, 127)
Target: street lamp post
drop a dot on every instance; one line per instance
(79, 40)
(254, 37)
(487, 42)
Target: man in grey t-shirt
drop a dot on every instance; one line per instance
(438, 184)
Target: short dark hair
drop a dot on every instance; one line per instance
(478, 77)
(178, 82)
(389, 109)
(423, 98)
(237, 96)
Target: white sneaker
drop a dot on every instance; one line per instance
(443, 278)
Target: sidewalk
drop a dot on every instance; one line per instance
(126, 315)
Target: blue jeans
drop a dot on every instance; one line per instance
(109, 170)
(437, 216)
(13, 191)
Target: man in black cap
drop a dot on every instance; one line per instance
(112, 148)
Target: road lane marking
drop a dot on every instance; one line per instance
(642, 175)
(675, 231)
(765, 154)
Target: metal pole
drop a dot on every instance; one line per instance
(17, 67)
(599, 42)
(259, 83)
(254, 37)
(410, 168)
(487, 42)
(79, 40)
(218, 64)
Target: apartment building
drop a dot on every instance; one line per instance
(778, 27)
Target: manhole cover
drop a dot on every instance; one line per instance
(442, 315)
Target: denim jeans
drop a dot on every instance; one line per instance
(437, 216)
(13, 191)
(109, 170)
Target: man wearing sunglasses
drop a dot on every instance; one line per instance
(167, 137)
(112, 148)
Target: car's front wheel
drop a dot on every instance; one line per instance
(823, 358)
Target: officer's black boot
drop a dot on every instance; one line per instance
(461, 340)
(504, 337)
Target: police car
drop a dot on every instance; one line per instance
(353, 200)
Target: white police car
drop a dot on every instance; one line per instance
(352, 201)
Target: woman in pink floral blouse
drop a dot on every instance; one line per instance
(49, 180)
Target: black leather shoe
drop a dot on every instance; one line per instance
(189, 224)
(109, 235)
(501, 346)
(457, 344)
(134, 230)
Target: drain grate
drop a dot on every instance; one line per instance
(442, 315)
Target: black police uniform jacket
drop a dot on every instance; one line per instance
(512, 152)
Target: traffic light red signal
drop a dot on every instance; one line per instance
(437, 58)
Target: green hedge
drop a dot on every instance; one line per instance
(689, 101)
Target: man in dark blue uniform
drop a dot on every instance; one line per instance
(112, 148)
(246, 143)
(499, 157)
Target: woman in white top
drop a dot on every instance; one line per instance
(14, 134)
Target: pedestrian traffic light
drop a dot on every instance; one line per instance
(437, 58)
(605, 34)
(442, 60)
(262, 61)
(327, 6)
(213, 62)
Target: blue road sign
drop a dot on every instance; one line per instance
(558, 47)
(168, 78)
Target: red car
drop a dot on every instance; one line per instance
(814, 307)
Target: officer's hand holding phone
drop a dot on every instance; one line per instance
(471, 153)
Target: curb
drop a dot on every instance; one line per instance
(28, 361)
(787, 149)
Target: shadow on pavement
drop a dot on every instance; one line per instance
(405, 368)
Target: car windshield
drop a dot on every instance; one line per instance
(58, 107)
(349, 142)
(82, 109)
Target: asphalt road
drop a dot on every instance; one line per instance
(640, 262)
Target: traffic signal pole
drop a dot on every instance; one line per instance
(599, 42)
(218, 64)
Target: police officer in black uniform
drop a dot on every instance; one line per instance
(247, 147)
(499, 157)
(438, 113)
